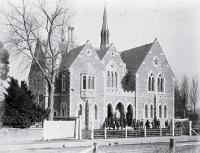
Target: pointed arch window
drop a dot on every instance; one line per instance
(84, 82)
(146, 111)
(63, 82)
(160, 111)
(151, 110)
(160, 83)
(116, 79)
(88, 82)
(96, 112)
(165, 111)
(108, 79)
(151, 80)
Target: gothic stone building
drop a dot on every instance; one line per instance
(99, 83)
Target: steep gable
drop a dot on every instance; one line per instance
(135, 56)
(69, 58)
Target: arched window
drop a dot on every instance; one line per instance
(165, 111)
(151, 111)
(112, 82)
(84, 82)
(108, 79)
(80, 110)
(160, 111)
(160, 83)
(116, 79)
(89, 82)
(146, 111)
(96, 111)
(151, 82)
(92, 82)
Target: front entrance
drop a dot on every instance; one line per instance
(120, 111)
(129, 115)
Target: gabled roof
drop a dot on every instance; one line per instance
(68, 59)
(135, 56)
(101, 53)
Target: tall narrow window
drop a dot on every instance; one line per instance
(160, 83)
(112, 79)
(160, 111)
(84, 82)
(146, 111)
(92, 82)
(151, 83)
(63, 109)
(151, 111)
(165, 111)
(63, 82)
(96, 111)
(89, 82)
(116, 79)
(108, 79)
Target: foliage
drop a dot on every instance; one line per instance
(20, 110)
(43, 20)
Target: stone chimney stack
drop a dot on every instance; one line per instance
(72, 34)
(69, 34)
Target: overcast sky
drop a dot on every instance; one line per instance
(132, 23)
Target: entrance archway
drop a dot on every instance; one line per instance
(129, 115)
(109, 111)
(120, 109)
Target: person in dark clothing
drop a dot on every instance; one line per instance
(155, 122)
(147, 124)
(117, 124)
(137, 124)
(141, 124)
(109, 123)
(166, 124)
(158, 123)
(133, 123)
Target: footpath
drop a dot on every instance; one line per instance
(15, 145)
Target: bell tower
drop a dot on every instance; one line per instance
(104, 30)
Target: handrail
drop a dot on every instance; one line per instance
(194, 132)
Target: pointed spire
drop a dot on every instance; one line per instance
(105, 22)
(104, 30)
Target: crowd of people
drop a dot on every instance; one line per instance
(117, 123)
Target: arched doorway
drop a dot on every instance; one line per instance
(129, 115)
(120, 110)
(109, 111)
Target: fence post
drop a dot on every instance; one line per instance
(44, 129)
(76, 128)
(105, 132)
(181, 130)
(126, 131)
(80, 128)
(172, 127)
(95, 147)
(160, 131)
(92, 131)
(190, 128)
(145, 131)
(172, 145)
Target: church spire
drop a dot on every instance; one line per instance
(104, 30)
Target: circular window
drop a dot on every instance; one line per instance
(88, 52)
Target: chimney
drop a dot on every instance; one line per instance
(69, 34)
(72, 34)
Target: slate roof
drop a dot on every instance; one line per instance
(134, 57)
(101, 53)
(68, 59)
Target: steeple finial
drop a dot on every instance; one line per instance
(104, 30)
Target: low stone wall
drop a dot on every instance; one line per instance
(8, 135)
(60, 129)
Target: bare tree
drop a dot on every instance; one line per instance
(47, 21)
(194, 94)
(184, 94)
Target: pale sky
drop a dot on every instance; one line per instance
(176, 24)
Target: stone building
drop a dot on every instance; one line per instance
(98, 83)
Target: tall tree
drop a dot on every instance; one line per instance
(177, 101)
(46, 21)
(20, 110)
(184, 95)
(194, 94)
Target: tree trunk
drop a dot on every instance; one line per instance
(51, 101)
